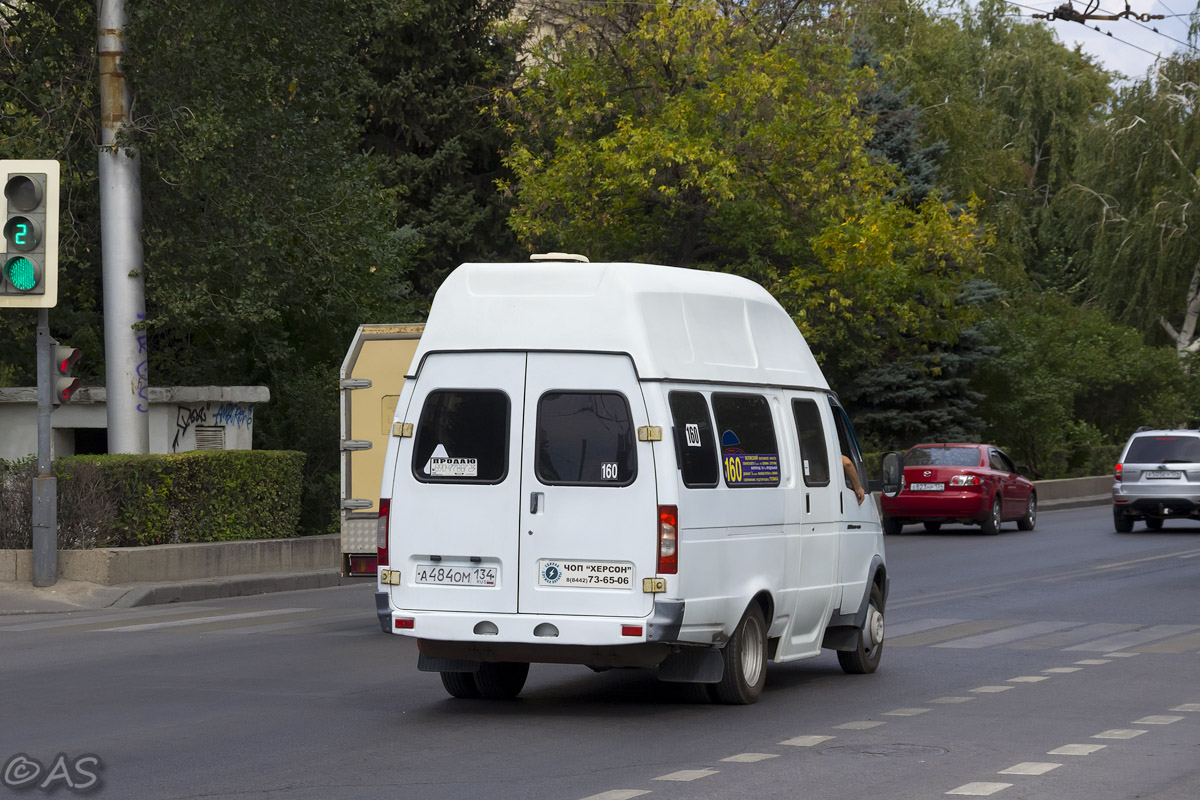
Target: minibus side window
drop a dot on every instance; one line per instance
(814, 459)
(695, 447)
(462, 437)
(585, 439)
(749, 449)
(848, 443)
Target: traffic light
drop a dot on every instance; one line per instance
(64, 384)
(29, 242)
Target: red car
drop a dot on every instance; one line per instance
(969, 484)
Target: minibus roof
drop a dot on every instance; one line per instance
(676, 324)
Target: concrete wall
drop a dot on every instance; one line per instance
(179, 562)
(1069, 488)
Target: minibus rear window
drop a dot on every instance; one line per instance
(462, 437)
(585, 438)
(749, 453)
(694, 442)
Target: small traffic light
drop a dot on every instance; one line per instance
(64, 384)
(29, 247)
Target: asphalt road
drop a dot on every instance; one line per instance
(1061, 663)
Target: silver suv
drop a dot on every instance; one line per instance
(1157, 478)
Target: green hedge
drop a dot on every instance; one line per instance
(201, 496)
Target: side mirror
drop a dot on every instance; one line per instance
(893, 474)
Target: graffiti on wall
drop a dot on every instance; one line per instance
(230, 415)
(143, 370)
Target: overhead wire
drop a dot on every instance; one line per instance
(1106, 33)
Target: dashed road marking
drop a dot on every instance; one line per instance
(1030, 768)
(1074, 636)
(154, 626)
(1120, 655)
(1092, 662)
(807, 741)
(1063, 670)
(950, 632)
(859, 726)
(1161, 719)
(618, 794)
(1008, 635)
(1076, 749)
(1188, 643)
(1118, 733)
(750, 758)
(1133, 638)
(1187, 707)
(906, 712)
(952, 700)
(992, 689)
(1029, 679)
(979, 788)
(687, 775)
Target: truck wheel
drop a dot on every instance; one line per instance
(991, 523)
(863, 659)
(502, 680)
(1122, 521)
(1027, 522)
(460, 684)
(745, 658)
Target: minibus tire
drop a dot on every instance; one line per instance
(460, 684)
(745, 653)
(860, 661)
(501, 680)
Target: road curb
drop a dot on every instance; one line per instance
(150, 594)
(1075, 502)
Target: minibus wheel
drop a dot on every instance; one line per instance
(745, 658)
(501, 680)
(864, 658)
(460, 684)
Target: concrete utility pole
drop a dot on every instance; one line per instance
(125, 353)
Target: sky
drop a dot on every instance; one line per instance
(1133, 46)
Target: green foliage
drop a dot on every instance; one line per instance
(430, 69)
(123, 500)
(1065, 382)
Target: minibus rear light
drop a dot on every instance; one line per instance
(668, 540)
(404, 622)
(381, 531)
(631, 630)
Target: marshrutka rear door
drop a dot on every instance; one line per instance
(589, 514)
(455, 515)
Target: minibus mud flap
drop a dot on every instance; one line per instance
(692, 665)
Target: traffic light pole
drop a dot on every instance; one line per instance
(45, 485)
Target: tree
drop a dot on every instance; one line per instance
(430, 70)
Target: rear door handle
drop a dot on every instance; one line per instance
(534, 502)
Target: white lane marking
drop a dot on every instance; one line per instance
(1161, 719)
(1133, 638)
(1118, 733)
(906, 712)
(1187, 707)
(1076, 749)
(750, 758)
(1029, 679)
(919, 626)
(952, 700)
(1091, 662)
(618, 794)
(1063, 670)
(687, 775)
(807, 741)
(1007, 635)
(1030, 768)
(1121, 655)
(66, 622)
(992, 689)
(244, 630)
(179, 623)
(979, 788)
(858, 726)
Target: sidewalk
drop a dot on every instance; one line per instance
(24, 598)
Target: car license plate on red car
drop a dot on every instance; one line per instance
(926, 487)
(1161, 473)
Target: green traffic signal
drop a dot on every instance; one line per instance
(21, 273)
